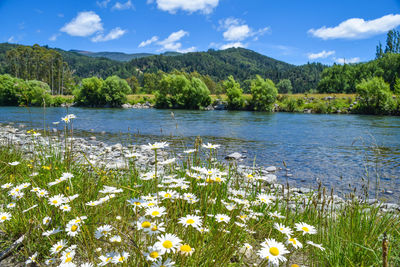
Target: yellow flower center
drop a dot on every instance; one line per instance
(55, 201)
(167, 244)
(68, 259)
(108, 259)
(17, 189)
(154, 228)
(154, 254)
(74, 228)
(121, 259)
(58, 248)
(137, 203)
(3, 218)
(281, 229)
(293, 240)
(155, 213)
(221, 219)
(208, 180)
(274, 251)
(305, 229)
(186, 248)
(294, 265)
(104, 232)
(190, 221)
(146, 224)
(167, 195)
(150, 204)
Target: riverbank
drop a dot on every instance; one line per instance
(234, 207)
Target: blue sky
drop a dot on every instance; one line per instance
(294, 31)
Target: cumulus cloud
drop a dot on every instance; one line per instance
(84, 24)
(149, 41)
(237, 30)
(172, 6)
(112, 35)
(356, 28)
(123, 6)
(322, 54)
(11, 39)
(230, 45)
(347, 60)
(171, 42)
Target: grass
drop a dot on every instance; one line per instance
(198, 185)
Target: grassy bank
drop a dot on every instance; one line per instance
(196, 211)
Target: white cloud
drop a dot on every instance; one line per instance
(103, 4)
(11, 39)
(230, 45)
(171, 43)
(237, 30)
(121, 6)
(347, 60)
(187, 50)
(112, 35)
(84, 24)
(54, 37)
(204, 6)
(149, 41)
(356, 28)
(322, 54)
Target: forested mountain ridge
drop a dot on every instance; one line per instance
(242, 63)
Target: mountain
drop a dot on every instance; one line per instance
(242, 63)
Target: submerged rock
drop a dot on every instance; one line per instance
(235, 156)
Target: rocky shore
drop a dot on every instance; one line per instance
(116, 156)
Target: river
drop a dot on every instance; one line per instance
(338, 150)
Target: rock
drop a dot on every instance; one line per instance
(210, 107)
(271, 169)
(93, 138)
(220, 106)
(235, 156)
(116, 147)
(307, 111)
(126, 106)
(270, 179)
(389, 192)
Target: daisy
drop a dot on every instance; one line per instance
(31, 259)
(115, 239)
(56, 200)
(137, 202)
(57, 247)
(51, 232)
(46, 220)
(168, 243)
(72, 229)
(67, 257)
(191, 220)
(153, 253)
(103, 231)
(186, 250)
(120, 258)
(50, 261)
(247, 246)
(11, 205)
(160, 263)
(87, 264)
(210, 146)
(65, 208)
(265, 198)
(155, 146)
(14, 163)
(7, 185)
(169, 194)
(189, 151)
(273, 251)
(155, 229)
(5, 216)
(222, 218)
(276, 214)
(283, 229)
(143, 223)
(155, 211)
(42, 193)
(305, 228)
(106, 259)
(110, 190)
(316, 245)
(294, 242)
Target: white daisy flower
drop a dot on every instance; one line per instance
(168, 243)
(5, 216)
(273, 251)
(103, 231)
(155, 211)
(305, 228)
(153, 253)
(191, 220)
(57, 247)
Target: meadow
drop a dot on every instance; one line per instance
(175, 209)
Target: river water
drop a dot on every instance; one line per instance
(341, 151)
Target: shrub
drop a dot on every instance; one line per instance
(263, 93)
(234, 93)
(284, 86)
(375, 96)
(114, 91)
(89, 93)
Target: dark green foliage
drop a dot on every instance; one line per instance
(375, 96)
(14, 92)
(177, 91)
(96, 92)
(263, 93)
(284, 86)
(234, 94)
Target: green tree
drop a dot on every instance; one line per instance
(114, 91)
(263, 93)
(284, 86)
(10, 90)
(375, 96)
(234, 93)
(133, 84)
(90, 92)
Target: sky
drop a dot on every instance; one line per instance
(293, 31)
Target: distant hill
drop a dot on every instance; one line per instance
(242, 63)
(119, 56)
